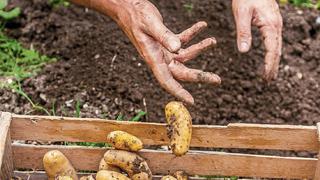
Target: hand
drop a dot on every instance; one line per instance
(161, 49)
(266, 16)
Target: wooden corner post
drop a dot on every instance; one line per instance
(6, 161)
(317, 172)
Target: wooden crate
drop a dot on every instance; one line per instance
(16, 156)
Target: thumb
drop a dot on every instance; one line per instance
(243, 18)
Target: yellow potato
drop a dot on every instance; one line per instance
(140, 176)
(63, 178)
(110, 175)
(180, 127)
(181, 175)
(104, 166)
(87, 177)
(168, 177)
(130, 162)
(56, 164)
(124, 141)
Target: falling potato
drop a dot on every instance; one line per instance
(179, 127)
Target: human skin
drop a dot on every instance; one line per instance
(159, 47)
(264, 14)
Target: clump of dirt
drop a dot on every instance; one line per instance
(100, 68)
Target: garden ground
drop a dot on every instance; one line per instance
(100, 69)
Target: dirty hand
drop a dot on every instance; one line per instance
(266, 16)
(159, 47)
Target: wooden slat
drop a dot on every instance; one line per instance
(37, 175)
(6, 161)
(163, 162)
(41, 175)
(250, 136)
(317, 172)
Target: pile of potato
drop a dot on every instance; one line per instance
(123, 162)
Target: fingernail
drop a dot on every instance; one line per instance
(174, 44)
(244, 47)
(186, 97)
(217, 80)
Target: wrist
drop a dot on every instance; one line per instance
(112, 8)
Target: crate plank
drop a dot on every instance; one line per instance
(249, 136)
(317, 172)
(6, 160)
(41, 175)
(194, 163)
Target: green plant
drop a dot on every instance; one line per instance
(88, 144)
(303, 3)
(138, 116)
(18, 62)
(56, 3)
(78, 109)
(18, 89)
(120, 117)
(221, 177)
(188, 7)
(53, 109)
(8, 15)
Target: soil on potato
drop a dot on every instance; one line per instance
(99, 67)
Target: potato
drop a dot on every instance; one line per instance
(63, 178)
(181, 175)
(130, 162)
(179, 127)
(110, 175)
(104, 166)
(124, 141)
(56, 164)
(140, 176)
(168, 177)
(87, 177)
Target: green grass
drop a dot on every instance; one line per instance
(136, 118)
(78, 109)
(18, 89)
(188, 7)
(57, 3)
(17, 62)
(120, 117)
(7, 15)
(303, 3)
(87, 144)
(221, 177)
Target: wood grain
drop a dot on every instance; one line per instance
(194, 163)
(249, 136)
(41, 175)
(317, 171)
(6, 160)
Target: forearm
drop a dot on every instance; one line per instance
(106, 7)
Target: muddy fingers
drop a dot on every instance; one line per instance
(183, 73)
(193, 51)
(188, 34)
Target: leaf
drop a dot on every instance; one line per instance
(3, 4)
(138, 116)
(30, 55)
(10, 14)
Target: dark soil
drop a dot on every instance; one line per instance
(86, 42)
